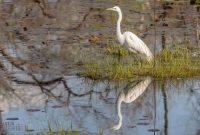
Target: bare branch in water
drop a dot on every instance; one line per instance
(42, 6)
(71, 92)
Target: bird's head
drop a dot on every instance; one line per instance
(116, 127)
(115, 8)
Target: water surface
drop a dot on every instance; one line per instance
(43, 43)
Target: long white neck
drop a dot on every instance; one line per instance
(119, 102)
(120, 37)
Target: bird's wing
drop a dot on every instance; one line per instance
(137, 44)
(137, 90)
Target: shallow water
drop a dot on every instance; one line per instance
(165, 107)
(41, 43)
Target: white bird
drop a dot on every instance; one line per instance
(131, 95)
(131, 42)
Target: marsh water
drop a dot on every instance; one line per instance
(43, 44)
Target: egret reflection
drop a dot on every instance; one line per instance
(131, 92)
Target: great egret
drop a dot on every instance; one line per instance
(131, 93)
(131, 42)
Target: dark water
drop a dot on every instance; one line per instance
(41, 43)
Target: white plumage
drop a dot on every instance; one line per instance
(131, 42)
(131, 94)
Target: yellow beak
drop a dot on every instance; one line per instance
(109, 9)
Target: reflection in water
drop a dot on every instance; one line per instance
(40, 41)
(130, 94)
(165, 108)
(90, 107)
(1, 124)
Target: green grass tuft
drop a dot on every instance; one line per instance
(61, 131)
(115, 49)
(176, 62)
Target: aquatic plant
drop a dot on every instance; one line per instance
(115, 49)
(61, 131)
(70, 132)
(169, 63)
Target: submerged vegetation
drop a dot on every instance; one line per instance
(61, 131)
(117, 63)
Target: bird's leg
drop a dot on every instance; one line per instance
(118, 58)
(140, 61)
